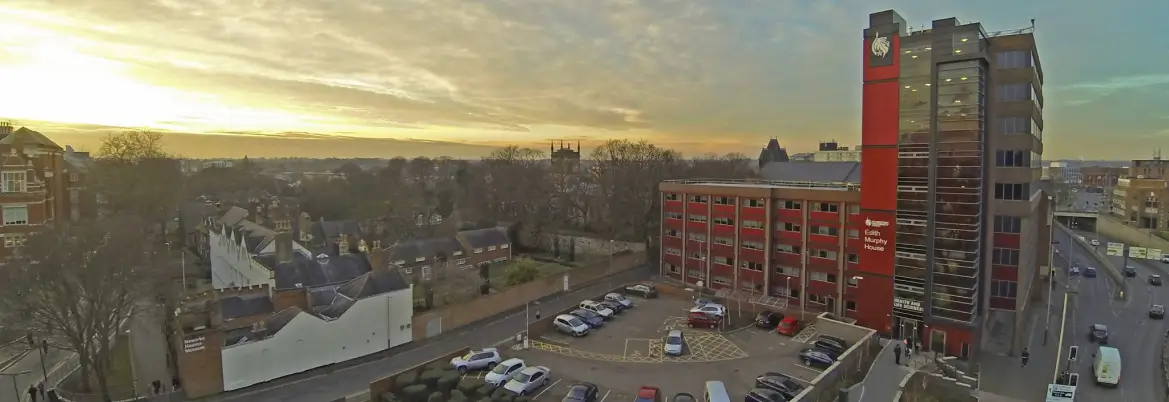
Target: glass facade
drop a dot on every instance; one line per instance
(958, 188)
(913, 146)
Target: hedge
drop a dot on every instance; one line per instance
(405, 380)
(435, 397)
(469, 385)
(457, 396)
(447, 382)
(415, 393)
(485, 391)
(500, 393)
(507, 397)
(388, 397)
(523, 398)
(430, 378)
(439, 365)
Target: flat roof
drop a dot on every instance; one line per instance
(770, 184)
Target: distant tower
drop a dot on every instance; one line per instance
(772, 153)
(565, 160)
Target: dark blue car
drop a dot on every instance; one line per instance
(593, 320)
(1089, 272)
(816, 358)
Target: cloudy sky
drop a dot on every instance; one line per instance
(695, 75)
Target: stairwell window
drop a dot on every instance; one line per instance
(14, 182)
(16, 215)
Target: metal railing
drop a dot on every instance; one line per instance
(1027, 30)
(831, 185)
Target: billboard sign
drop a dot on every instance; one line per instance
(1137, 252)
(1116, 249)
(1154, 254)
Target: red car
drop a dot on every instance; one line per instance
(702, 320)
(789, 326)
(648, 394)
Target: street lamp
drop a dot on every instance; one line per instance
(133, 373)
(15, 389)
(528, 320)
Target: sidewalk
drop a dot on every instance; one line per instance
(1005, 376)
(884, 379)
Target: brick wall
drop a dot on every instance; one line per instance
(201, 371)
(454, 317)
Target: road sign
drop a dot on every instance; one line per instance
(1136, 252)
(1060, 393)
(1154, 254)
(1116, 249)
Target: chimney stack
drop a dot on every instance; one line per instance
(5, 129)
(283, 242)
(376, 257)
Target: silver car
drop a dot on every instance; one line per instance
(480, 359)
(674, 343)
(598, 308)
(528, 380)
(504, 372)
(571, 325)
(619, 298)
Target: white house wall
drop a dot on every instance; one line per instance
(371, 325)
(232, 265)
(296, 247)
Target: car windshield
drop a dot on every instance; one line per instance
(674, 340)
(523, 377)
(574, 322)
(466, 357)
(577, 393)
(500, 369)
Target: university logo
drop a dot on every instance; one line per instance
(881, 46)
(875, 224)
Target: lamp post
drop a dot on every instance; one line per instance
(528, 320)
(15, 389)
(788, 284)
(133, 370)
(610, 269)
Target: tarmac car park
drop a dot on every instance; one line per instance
(629, 352)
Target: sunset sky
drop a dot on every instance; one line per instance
(694, 75)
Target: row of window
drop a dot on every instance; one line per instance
(1012, 191)
(1004, 289)
(14, 182)
(782, 248)
(1014, 59)
(1004, 256)
(1014, 158)
(758, 202)
(1019, 125)
(1008, 224)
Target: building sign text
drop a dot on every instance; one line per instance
(907, 304)
(875, 240)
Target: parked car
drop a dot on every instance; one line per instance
(1130, 271)
(594, 320)
(1157, 311)
(598, 308)
(478, 359)
(711, 308)
(674, 344)
(648, 394)
(1098, 333)
(763, 395)
(529, 379)
(702, 320)
(571, 325)
(838, 340)
(831, 348)
(781, 383)
(582, 392)
(768, 320)
(645, 290)
(503, 372)
(816, 358)
(1089, 272)
(789, 326)
(1155, 280)
(619, 298)
(683, 397)
(612, 305)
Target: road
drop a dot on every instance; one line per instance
(32, 363)
(331, 383)
(1138, 338)
(148, 347)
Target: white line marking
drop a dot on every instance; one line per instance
(546, 389)
(808, 368)
(801, 379)
(605, 396)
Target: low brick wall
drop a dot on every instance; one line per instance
(384, 385)
(850, 368)
(670, 289)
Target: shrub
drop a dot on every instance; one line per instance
(507, 397)
(435, 397)
(457, 396)
(430, 378)
(499, 393)
(523, 399)
(485, 391)
(448, 381)
(405, 380)
(469, 385)
(388, 397)
(414, 393)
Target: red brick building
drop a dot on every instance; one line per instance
(796, 240)
(35, 185)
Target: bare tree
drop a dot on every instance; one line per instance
(628, 175)
(135, 176)
(76, 284)
(714, 166)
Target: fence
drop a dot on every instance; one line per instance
(435, 322)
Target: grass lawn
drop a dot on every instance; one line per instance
(120, 378)
(498, 271)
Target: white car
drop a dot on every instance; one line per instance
(598, 308)
(1165, 259)
(674, 343)
(503, 372)
(619, 298)
(1095, 242)
(714, 309)
(529, 379)
(479, 359)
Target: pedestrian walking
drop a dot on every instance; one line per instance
(41, 388)
(1026, 357)
(897, 354)
(175, 384)
(157, 384)
(32, 393)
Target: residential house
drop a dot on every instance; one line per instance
(32, 184)
(485, 246)
(420, 258)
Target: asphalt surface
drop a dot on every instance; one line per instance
(32, 363)
(339, 381)
(1138, 337)
(148, 348)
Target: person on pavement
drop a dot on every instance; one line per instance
(32, 393)
(1026, 357)
(897, 354)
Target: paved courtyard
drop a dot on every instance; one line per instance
(626, 353)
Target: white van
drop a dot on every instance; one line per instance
(1107, 366)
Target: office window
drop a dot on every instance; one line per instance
(726, 241)
(698, 198)
(1004, 289)
(673, 197)
(1004, 256)
(1015, 125)
(673, 233)
(1012, 191)
(823, 230)
(1013, 158)
(854, 209)
(818, 276)
(673, 251)
(789, 204)
(673, 269)
(854, 258)
(723, 200)
(854, 233)
(1014, 92)
(673, 215)
(1013, 59)
(789, 227)
(753, 224)
(787, 248)
(722, 220)
(724, 260)
(825, 254)
(853, 281)
(825, 207)
(752, 245)
(753, 202)
(17, 215)
(752, 265)
(1008, 224)
(697, 218)
(789, 271)
(694, 273)
(721, 280)
(850, 305)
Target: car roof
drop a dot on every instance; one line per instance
(789, 319)
(484, 350)
(1099, 326)
(532, 369)
(1155, 276)
(1158, 306)
(647, 392)
(512, 361)
(675, 332)
(567, 317)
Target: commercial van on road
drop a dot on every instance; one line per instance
(1106, 366)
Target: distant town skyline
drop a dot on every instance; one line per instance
(446, 76)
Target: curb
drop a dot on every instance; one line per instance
(12, 360)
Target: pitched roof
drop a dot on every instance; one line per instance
(306, 272)
(243, 306)
(333, 229)
(480, 238)
(410, 250)
(233, 216)
(375, 282)
(813, 171)
(27, 136)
